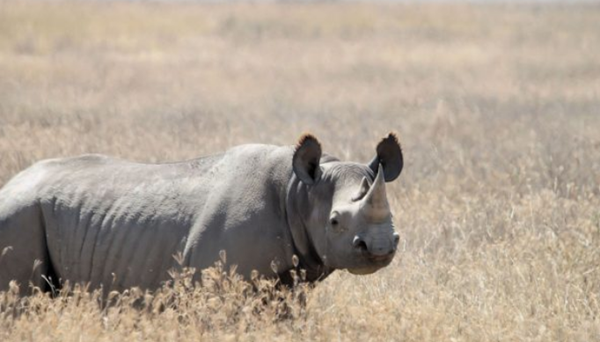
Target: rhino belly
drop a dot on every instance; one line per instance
(112, 248)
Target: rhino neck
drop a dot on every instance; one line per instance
(302, 242)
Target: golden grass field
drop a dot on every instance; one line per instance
(497, 108)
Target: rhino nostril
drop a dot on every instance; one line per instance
(359, 243)
(362, 246)
(396, 238)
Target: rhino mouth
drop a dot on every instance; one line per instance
(382, 259)
(361, 247)
(368, 269)
(363, 271)
(371, 263)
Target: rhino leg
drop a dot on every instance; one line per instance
(23, 251)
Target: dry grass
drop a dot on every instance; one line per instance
(498, 109)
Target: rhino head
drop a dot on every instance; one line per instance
(342, 218)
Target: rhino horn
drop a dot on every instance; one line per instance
(375, 201)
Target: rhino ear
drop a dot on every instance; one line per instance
(389, 155)
(306, 159)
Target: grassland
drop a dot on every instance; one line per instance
(497, 108)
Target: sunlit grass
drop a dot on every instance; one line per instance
(497, 108)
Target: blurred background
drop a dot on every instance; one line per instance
(496, 103)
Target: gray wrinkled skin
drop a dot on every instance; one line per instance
(118, 224)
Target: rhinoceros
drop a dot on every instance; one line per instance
(116, 224)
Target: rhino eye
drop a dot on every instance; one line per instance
(334, 220)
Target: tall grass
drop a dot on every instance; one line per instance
(497, 108)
